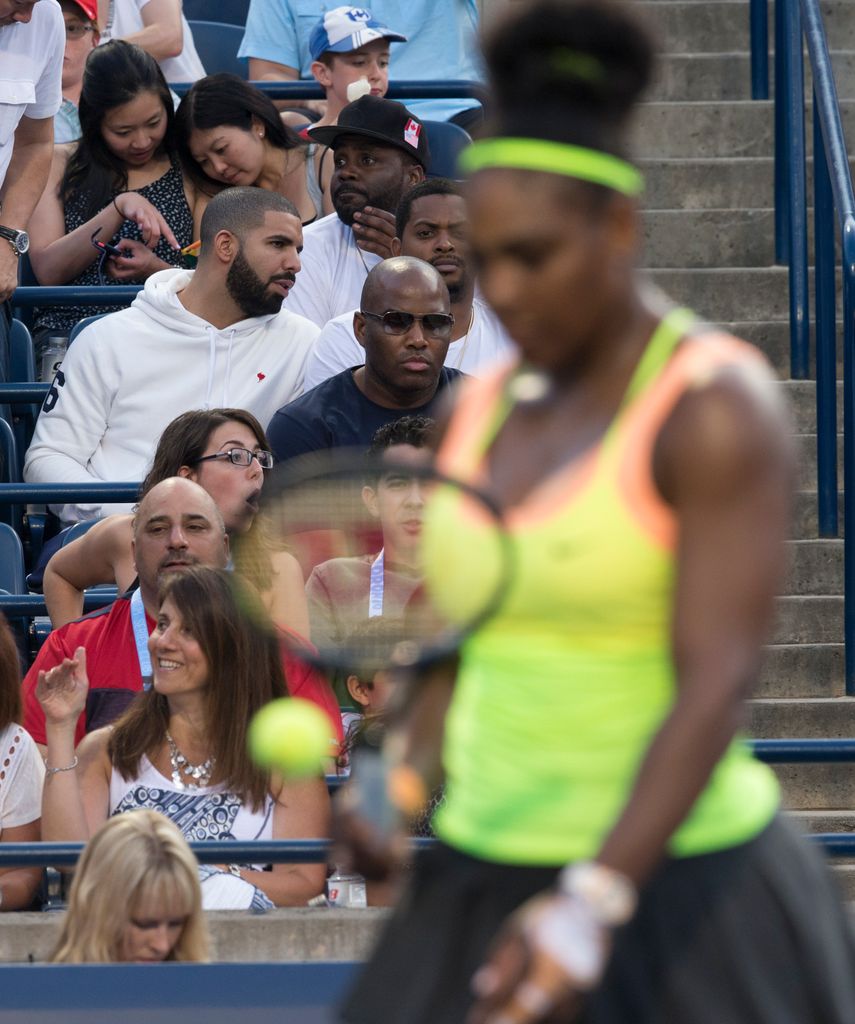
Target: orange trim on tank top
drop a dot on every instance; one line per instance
(635, 436)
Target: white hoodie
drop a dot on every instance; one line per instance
(131, 373)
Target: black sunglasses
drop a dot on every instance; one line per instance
(395, 321)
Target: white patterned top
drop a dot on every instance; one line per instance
(22, 774)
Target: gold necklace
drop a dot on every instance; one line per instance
(462, 353)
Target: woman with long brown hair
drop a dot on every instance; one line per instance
(181, 746)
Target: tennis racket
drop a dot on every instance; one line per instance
(401, 562)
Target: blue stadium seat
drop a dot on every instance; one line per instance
(85, 322)
(230, 12)
(22, 368)
(217, 45)
(12, 577)
(447, 141)
(10, 472)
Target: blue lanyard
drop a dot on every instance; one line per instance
(375, 593)
(140, 627)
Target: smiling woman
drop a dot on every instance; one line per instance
(181, 747)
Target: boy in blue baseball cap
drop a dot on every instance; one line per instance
(350, 57)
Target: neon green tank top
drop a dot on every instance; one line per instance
(560, 694)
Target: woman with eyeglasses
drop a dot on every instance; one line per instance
(181, 746)
(81, 38)
(226, 452)
(121, 184)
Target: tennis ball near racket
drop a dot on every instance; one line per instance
(292, 736)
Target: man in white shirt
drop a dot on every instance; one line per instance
(380, 151)
(432, 225)
(32, 43)
(160, 28)
(214, 337)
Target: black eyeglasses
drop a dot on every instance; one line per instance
(242, 457)
(396, 321)
(77, 31)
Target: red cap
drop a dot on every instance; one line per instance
(89, 8)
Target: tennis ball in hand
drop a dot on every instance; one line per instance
(292, 736)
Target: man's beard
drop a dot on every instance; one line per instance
(249, 291)
(387, 200)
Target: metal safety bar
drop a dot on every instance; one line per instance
(798, 22)
(800, 751)
(458, 88)
(28, 296)
(95, 493)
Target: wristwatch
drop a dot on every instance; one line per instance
(610, 894)
(19, 240)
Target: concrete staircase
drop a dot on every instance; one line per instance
(707, 150)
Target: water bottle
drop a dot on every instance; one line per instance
(346, 890)
(51, 356)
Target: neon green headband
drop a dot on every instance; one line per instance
(554, 158)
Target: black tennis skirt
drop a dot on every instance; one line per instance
(756, 934)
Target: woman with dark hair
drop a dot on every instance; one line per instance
(135, 897)
(610, 851)
(21, 774)
(181, 747)
(221, 450)
(230, 133)
(121, 184)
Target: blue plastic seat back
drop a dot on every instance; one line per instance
(85, 322)
(230, 12)
(447, 141)
(217, 45)
(22, 356)
(12, 576)
(10, 473)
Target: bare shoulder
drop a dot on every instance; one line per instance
(730, 428)
(92, 750)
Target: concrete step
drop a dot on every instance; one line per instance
(709, 238)
(805, 717)
(801, 397)
(808, 620)
(817, 787)
(823, 821)
(801, 670)
(815, 567)
(805, 514)
(707, 183)
(727, 76)
(723, 26)
(720, 295)
(805, 453)
(713, 129)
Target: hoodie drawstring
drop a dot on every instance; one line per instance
(225, 402)
(212, 360)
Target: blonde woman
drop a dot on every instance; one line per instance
(135, 896)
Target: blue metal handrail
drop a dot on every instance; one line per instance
(28, 296)
(798, 21)
(802, 751)
(95, 493)
(305, 89)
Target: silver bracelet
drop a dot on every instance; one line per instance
(67, 768)
(234, 869)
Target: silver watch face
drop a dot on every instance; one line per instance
(21, 242)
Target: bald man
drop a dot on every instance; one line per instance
(404, 325)
(177, 525)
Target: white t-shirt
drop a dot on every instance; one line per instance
(484, 344)
(22, 774)
(333, 272)
(125, 19)
(31, 57)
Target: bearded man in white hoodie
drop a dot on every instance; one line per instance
(216, 336)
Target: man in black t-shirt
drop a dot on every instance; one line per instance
(404, 323)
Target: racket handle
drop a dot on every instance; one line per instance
(370, 774)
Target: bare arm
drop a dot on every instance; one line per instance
(58, 257)
(75, 802)
(269, 71)
(101, 555)
(286, 600)
(302, 812)
(24, 183)
(18, 885)
(163, 34)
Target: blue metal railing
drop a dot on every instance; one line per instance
(28, 296)
(43, 494)
(798, 22)
(399, 90)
